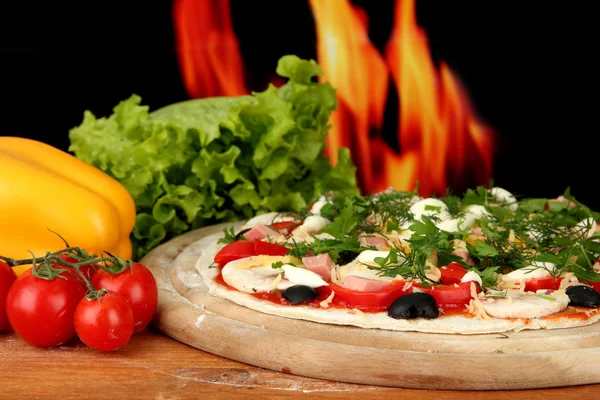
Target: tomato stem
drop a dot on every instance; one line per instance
(14, 263)
(45, 270)
(46, 267)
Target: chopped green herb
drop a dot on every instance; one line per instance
(533, 235)
(496, 295)
(229, 236)
(543, 296)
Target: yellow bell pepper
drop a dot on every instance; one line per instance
(43, 188)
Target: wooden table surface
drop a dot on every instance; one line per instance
(154, 366)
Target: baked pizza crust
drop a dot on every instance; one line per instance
(453, 324)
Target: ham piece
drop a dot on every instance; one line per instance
(364, 284)
(320, 265)
(260, 231)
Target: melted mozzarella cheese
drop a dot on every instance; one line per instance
(302, 276)
(505, 197)
(587, 226)
(518, 304)
(255, 278)
(536, 234)
(257, 261)
(415, 199)
(325, 303)
(456, 224)
(536, 270)
(256, 274)
(430, 207)
(316, 208)
(360, 266)
(477, 211)
(314, 223)
(361, 271)
(369, 256)
(267, 219)
(472, 277)
(301, 235)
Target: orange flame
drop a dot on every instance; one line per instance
(207, 48)
(440, 140)
(353, 67)
(441, 143)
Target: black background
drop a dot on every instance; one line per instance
(528, 67)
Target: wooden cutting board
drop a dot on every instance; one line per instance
(524, 360)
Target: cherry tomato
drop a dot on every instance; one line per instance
(41, 311)
(269, 249)
(138, 286)
(533, 285)
(7, 277)
(369, 301)
(235, 251)
(104, 323)
(451, 296)
(452, 273)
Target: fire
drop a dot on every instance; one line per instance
(439, 141)
(353, 66)
(207, 48)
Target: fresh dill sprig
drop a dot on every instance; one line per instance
(426, 241)
(341, 250)
(229, 236)
(531, 235)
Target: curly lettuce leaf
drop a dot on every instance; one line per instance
(204, 161)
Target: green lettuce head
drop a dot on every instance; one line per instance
(204, 161)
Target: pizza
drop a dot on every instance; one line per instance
(482, 262)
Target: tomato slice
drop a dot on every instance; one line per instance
(243, 248)
(534, 285)
(235, 251)
(369, 301)
(451, 296)
(452, 273)
(286, 227)
(269, 249)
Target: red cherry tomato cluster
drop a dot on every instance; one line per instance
(7, 277)
(63, 297)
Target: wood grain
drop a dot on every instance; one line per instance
(525, 360)
(153, 366)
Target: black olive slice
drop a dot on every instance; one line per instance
(583, 296)
(414, 305)
(299, 293)
(239, 235)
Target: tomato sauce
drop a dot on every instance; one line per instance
(363, 308)
(575, 313)
(460, 311)
(219, 279)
